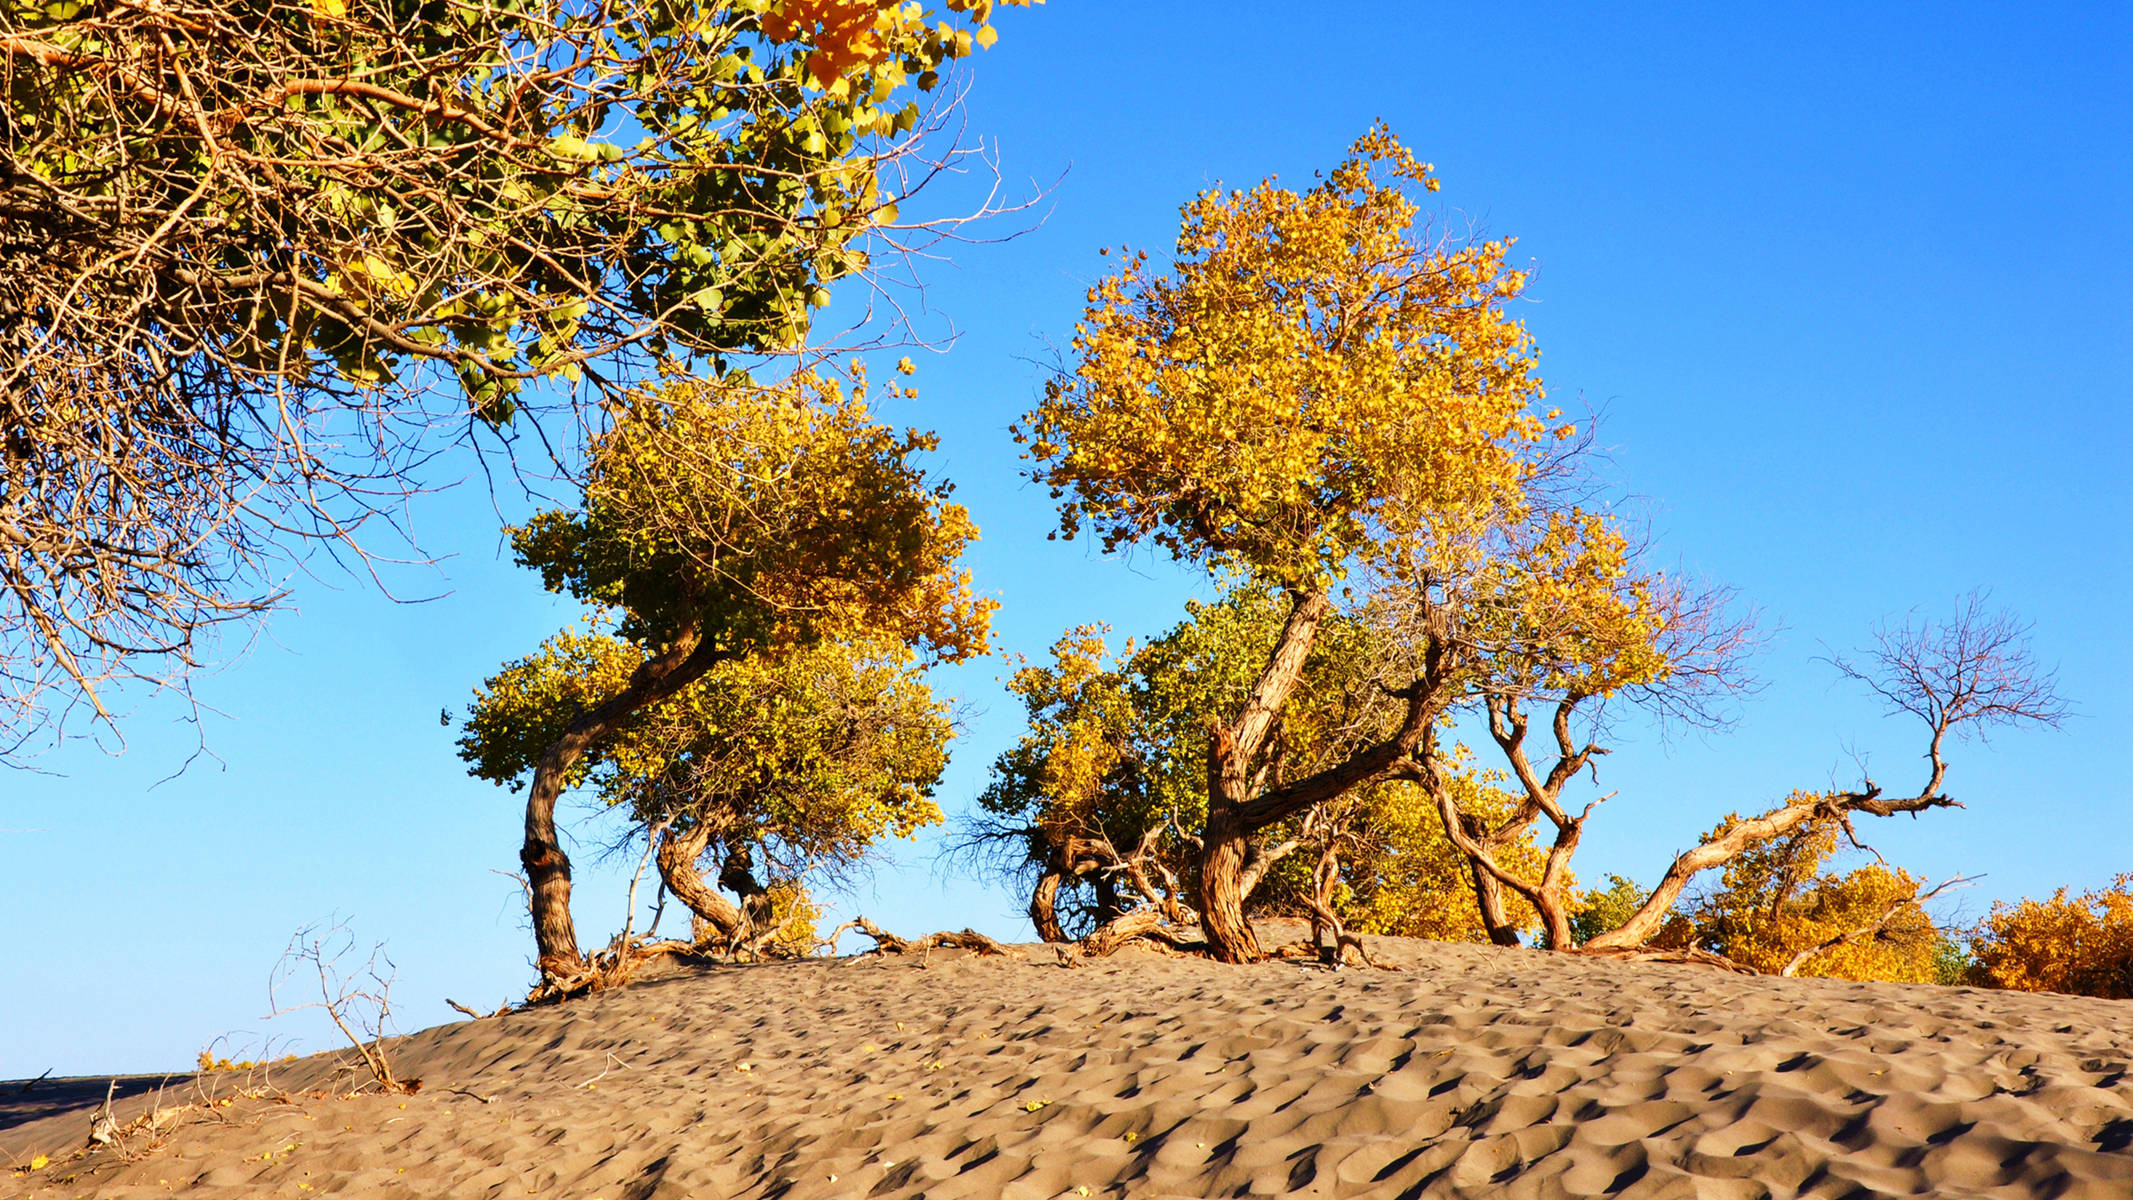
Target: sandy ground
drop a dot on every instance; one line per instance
(1476, 1071)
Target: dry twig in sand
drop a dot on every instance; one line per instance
(888, 943)
(365, 1000)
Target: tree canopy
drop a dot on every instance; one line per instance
(1314, 384)
(2079, 944)
(257, 258)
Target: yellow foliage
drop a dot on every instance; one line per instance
(208, 1062)
(1406, 879)
(2081, 946)
(795, 915)
(764, 515)
(1776, 900)
(1311, 386)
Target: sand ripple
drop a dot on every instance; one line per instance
(1478, 1072)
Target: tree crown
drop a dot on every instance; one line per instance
(763, 515)
(1312, 384)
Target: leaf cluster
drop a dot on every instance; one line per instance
(1782, 897)
(1315, 382)
(759, 516)
(814, 753)
(2082, 945)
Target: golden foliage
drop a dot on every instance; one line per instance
(1404, 878)
(1777, 900)
(763, 515)
(1311, 385)
(815, 752)
(796, 917)
(2082, 946)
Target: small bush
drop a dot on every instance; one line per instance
(2082, 946)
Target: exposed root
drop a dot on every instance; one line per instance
(888, 943)
(1146, 923)
(611, 968)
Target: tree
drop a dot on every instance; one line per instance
(1318, 401)
(796, 762)
(258, 258)
(1560, 616)
(725, 520)
(1310, 392)
(1099, 808)
(2082, 946)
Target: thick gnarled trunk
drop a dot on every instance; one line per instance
(1044, 907)
(715, 918)
(1224, 850)
(1236, 810)
(555, 937)
(1495, 914)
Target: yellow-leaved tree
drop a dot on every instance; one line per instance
(1780, 909)
(794, 761)
(1311, 389)
(725, 521)
(1326, 396)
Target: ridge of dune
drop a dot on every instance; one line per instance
(1476, 1071)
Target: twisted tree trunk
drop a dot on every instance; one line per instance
(1044, 906)
(1234, 813)
(555, 937)
(714, 916)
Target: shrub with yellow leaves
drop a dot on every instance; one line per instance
(2081, 945)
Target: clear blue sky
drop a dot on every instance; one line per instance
(1850, 283)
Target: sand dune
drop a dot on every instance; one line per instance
(1477, 1071)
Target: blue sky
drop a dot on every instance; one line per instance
(1850, 288)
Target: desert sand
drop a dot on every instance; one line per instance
(1475, 1071)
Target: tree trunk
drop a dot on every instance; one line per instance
(1234, 813)
(678, 854)
(1229, 935)
(1044, 906)
(1230, 752)
(555, 937)
(738, 877)
(1108, 909)
(1495, 914)
(1555, 919)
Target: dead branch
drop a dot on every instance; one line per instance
(359, 1002)
(888, 943)
(1142, 924)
